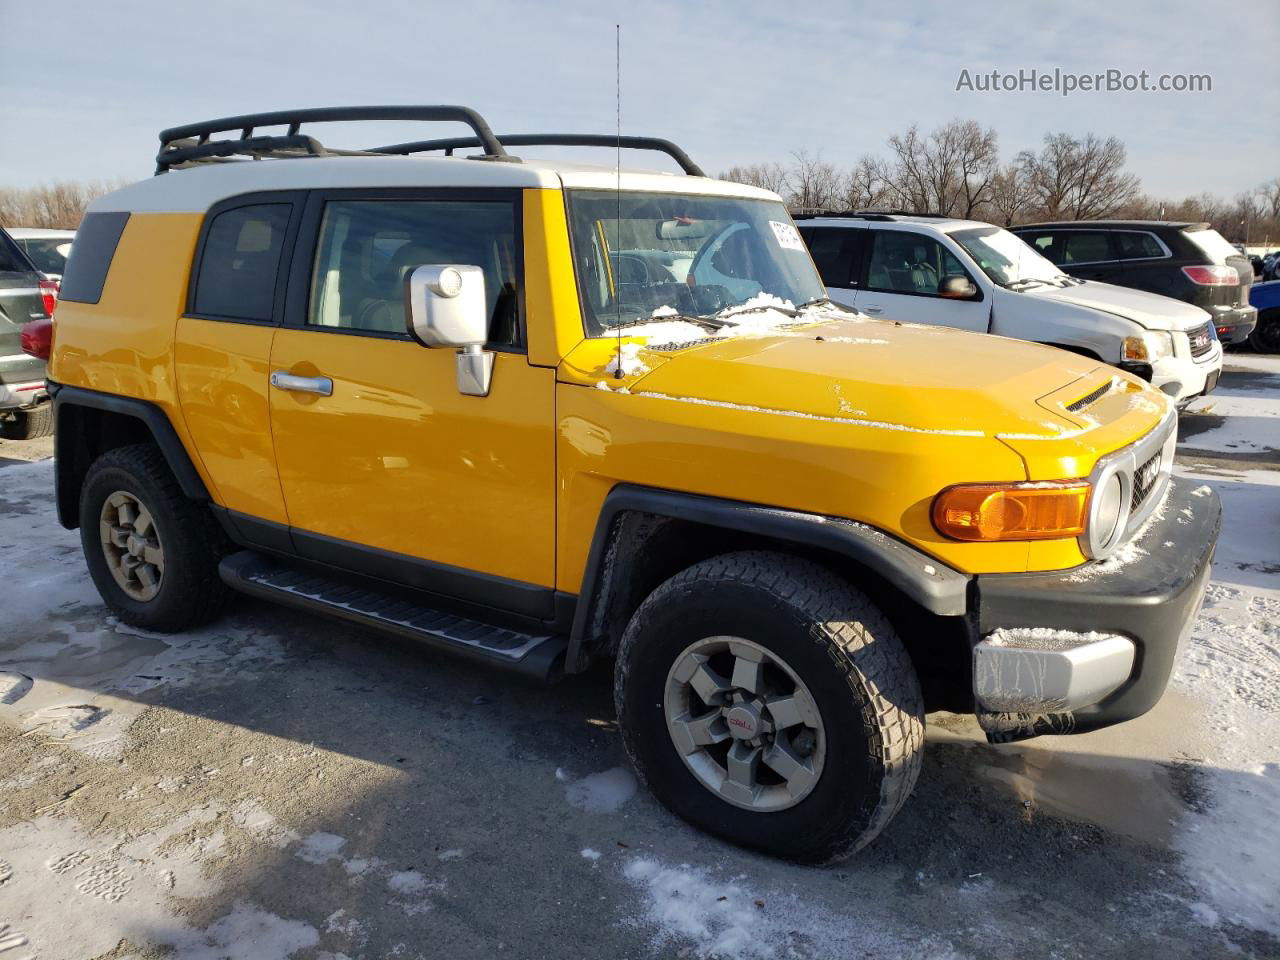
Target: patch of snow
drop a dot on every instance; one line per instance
(445, 856)
(604, 792)
(691, 912)
(628, 360)
(246, 931)
(407, 882)
(1043, 638)
(320, 847)
(590, 854)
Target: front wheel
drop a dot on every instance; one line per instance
(768, 702)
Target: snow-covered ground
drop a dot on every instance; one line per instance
(277, 786)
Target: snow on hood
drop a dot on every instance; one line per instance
(1148, 309)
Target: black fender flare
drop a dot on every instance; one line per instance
(926, 581)
(68, 458)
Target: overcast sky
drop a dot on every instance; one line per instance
(87, 90)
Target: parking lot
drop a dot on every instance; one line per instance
(311, 790)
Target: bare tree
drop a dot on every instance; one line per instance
(58, 205)
(1079, 179)
(767, 176)
(868, 185)
(1011, 195)
(949, 171)
(814, 184)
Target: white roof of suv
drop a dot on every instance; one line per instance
(887, 221)
(196, 189)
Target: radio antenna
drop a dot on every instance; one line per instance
(617, 212)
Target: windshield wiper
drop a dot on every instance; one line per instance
(728, 312)
(708, 322)
(1015, 284)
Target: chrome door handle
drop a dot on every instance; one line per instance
(873, 309)
(287, 381)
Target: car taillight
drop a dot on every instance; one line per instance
(37, 338)
(49, 294)
(1213, 276)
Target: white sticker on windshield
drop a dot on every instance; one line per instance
(787, 235)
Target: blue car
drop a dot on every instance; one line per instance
(1265, 337)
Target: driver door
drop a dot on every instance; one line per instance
(902, 277)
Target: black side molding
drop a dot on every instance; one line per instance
(926, 581)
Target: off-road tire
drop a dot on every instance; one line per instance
(191, 592)
(28, 424)
(847, 654)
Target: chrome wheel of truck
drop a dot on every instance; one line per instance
(745, 723)
(767, 700)
(131, 544)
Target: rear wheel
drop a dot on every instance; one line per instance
(1265, 336)
(28, 424)
(152, 553)
(768, 702)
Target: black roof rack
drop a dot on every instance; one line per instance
(553, 140)
(191, 142)
(805, 214)
(176, 144)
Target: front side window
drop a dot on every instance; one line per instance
(367, 249)
(645, 255)
(905, 262)
(1007, 259)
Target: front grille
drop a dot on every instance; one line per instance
(1144, 481)
(1089, 398)
(1201, 340)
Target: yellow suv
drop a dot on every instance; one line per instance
(541, 413)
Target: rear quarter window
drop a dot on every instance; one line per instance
(240, 262)
(1212, 244)
(91, 255)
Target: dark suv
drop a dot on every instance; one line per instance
(1186, 261)
(25, 295)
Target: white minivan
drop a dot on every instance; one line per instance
(976, 276)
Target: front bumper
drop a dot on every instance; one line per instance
(1182, 377)
(1106, 634)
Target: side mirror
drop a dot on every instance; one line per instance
(957, 288)
(445, 307)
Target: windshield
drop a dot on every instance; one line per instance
(1006, 259)
(49, 256)
(642, 256)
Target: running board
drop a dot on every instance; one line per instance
(539, 655)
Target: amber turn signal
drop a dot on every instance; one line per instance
(1012, 511)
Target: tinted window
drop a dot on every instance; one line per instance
(86, 272)
(12, 259)
(1137, 246)
(904, 262)
(49, 255)
(240, 262)
(833, 254)
(368, 247)
(1085, 246)
(1043, 244)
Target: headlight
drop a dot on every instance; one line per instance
(1108, 506)
(1147, 348)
